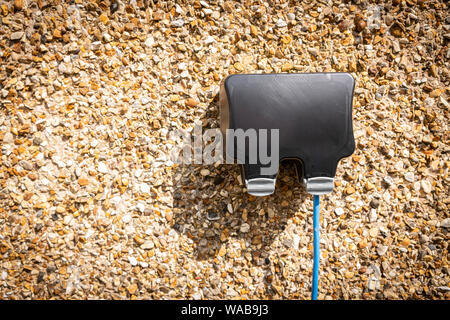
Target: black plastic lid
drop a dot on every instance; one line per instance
(313, 112)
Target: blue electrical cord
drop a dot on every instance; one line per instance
(315, 281)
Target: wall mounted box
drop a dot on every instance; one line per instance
(313, 112)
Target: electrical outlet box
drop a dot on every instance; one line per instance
(313, 115)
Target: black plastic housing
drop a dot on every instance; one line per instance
(313, 112)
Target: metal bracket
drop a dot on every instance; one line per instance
(319, 185)
(260, 186)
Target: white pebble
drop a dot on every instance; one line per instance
(426, 186)
(140, 206)
(177, 23)
(296, 240)
(102, 168)
(373, 215)
(409, 176)
(149, 42)
(281, 23)
(388, 180)
(245, 228)
(339, 211)
(126, 218)
(138, 173)
(132, 261)
(145, 188)
(207, 12)
(209, 40)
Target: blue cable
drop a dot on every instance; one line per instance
(315, 281)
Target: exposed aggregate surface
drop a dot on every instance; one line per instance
(92, 208)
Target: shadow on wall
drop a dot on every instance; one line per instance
(213, 208)
(210, 206)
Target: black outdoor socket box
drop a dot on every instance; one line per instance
(313, 112)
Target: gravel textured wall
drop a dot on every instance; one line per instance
(91, 206)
